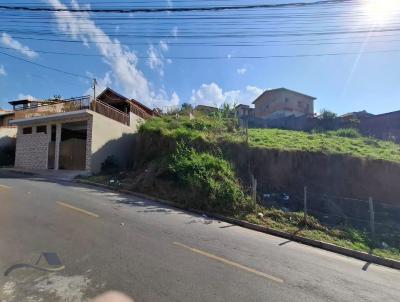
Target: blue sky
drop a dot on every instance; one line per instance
(150, 56)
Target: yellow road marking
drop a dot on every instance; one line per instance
(77, 209)
(5, 187)
(231, 263)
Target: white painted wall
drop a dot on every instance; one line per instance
(110, 137)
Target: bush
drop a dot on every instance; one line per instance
(110, 165)
(210, 179)
(346, 132)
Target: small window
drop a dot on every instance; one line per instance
(41, 129)
(286, 100)
(300, 104)
(267, 106)
(27, 130)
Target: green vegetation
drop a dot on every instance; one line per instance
(210, 179)
(342, 141)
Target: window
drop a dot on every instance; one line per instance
(286, 100)
(27, 130)
(41, 129)
(300, 104)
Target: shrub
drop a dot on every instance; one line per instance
(110, 165)
(210, 179)
(346, 132)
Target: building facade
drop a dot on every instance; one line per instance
(282, 102)
(77, 134)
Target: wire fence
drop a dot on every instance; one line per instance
(379, 220)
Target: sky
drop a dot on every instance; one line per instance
(347, 54)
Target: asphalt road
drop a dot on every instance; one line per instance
(155, 253)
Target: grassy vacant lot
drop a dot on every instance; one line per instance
(342, 141)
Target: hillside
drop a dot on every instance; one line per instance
(207, 164)
(343, 141)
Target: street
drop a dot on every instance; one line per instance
(110, 241)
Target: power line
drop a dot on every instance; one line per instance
(45, 66)
(172, 9)
(205, 57)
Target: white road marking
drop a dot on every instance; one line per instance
(77, 209)
(229, 262)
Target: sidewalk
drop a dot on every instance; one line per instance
(63, 175)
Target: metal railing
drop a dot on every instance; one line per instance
(80, 103)
(72, 104)
(110, 112)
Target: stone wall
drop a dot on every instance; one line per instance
(31, 150)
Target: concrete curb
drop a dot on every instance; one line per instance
(315, 243)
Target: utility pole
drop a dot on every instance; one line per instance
(94, 94)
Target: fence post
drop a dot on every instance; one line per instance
(254, 189)
(305, 205)
(372, 218)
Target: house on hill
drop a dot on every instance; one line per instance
(77, 133)
(282, 102)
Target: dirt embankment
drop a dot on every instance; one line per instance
(283, 171)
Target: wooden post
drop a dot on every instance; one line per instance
(372, 218)
(305, 205)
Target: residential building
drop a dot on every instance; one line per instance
(206, 109)
(5, 117)
(78, 133)
(357, 115)
(282, 102)
(244, 111)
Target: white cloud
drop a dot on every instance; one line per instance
(22, 96)
(7, 40)
(122, 61)
(2, 71)
(175, 31)
(213, 95)
(155, 60)
(241, 70)
(163, 45)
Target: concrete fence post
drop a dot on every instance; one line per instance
(253, 189)
(372, 217)
(305, 205)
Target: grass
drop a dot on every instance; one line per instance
(331, 142)
(343, 141)
(292, 222)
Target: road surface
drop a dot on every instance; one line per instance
(156, 253)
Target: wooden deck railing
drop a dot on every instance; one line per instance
(110, 112)
(139, 112)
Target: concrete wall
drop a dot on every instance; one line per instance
(283, 103)
(111, 138)
(31, 150)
